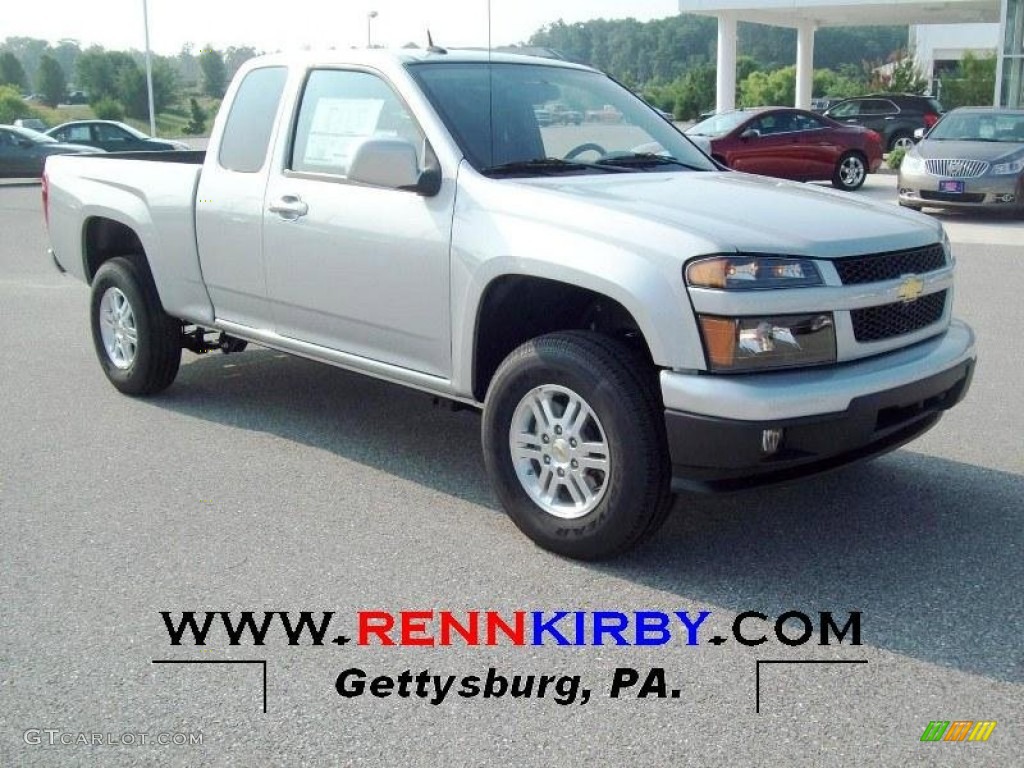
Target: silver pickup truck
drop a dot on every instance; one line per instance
(632, 319)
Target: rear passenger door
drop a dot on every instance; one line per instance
(229, 201)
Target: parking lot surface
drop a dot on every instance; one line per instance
(260, 482)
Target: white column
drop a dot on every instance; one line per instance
(726, 66)
(804, 64)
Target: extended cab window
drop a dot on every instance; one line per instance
(340, 109)
(246, 137)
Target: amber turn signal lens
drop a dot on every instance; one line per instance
(720, 340)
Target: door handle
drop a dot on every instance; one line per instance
(289, 207)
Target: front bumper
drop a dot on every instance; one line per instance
(997, 192)
(830, 416)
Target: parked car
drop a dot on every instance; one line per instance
(111, 136)
(791, 144)
(895, 116)
(32, 123)
(622, 322)
(973, 157)
(23, 152)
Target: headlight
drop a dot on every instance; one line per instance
(912, 163)
(1006, 168)
(752, 273)
(757, 343)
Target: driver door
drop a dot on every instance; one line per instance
(354, 267)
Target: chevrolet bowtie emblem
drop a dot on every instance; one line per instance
(910, 289)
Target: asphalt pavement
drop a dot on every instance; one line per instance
(260, 482)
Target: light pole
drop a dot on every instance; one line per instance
(149, 69)
(369, 20)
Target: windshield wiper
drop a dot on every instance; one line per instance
(644, 160)
(545, 165)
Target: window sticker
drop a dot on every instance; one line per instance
(338, 126)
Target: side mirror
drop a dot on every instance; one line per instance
(393, 163)
(918, 134)
(750, 133)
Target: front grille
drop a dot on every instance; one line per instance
(953, 168)
(952, 197)
(897, 319)
(888, 266)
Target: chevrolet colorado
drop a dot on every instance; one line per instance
(632, 319)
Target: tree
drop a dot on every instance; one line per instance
(776, 88)
(974, 84)
(906, 77)
(133, 92)
(197, 123)
(99, 72)
(11, 71)
(50, 81)
(214, 72)
(12, 106)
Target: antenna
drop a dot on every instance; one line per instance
(430, 44)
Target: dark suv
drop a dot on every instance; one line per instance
(895, 116)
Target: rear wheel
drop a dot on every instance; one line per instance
(574, 444)
(850, 172)
(137, 343)
(901, 140)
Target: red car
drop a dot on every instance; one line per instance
(791, 144)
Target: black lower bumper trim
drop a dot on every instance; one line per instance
(713, 454)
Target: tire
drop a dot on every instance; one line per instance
(850, 172)
(901, 140)
(630, 497)
(124, 306)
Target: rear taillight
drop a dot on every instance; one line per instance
(930, 119)
(46, 198)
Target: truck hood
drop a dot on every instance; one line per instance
(736, 212)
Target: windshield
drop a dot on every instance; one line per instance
(980, 126)
(28, 133)
(719, 125)
(551, 119)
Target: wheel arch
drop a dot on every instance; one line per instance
(515, 308)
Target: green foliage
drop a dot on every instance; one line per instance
(197, 123)
(50, 81)
(100, 72)
(839, 85)
(974, 84)
(776, 88)
(895, 158)
(108, 109)
(660, 52)
(214, 72)
(11, 71)
(906, 77)
(12, 107)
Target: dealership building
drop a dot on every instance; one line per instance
(941, 32)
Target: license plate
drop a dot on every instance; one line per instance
(952, 186)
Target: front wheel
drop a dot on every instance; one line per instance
(574, 444)
(850, 172)
(137, 343)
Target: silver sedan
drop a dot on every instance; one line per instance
(972, 158)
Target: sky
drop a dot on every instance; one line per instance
(272, 25)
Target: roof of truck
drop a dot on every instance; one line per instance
(380, 56)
